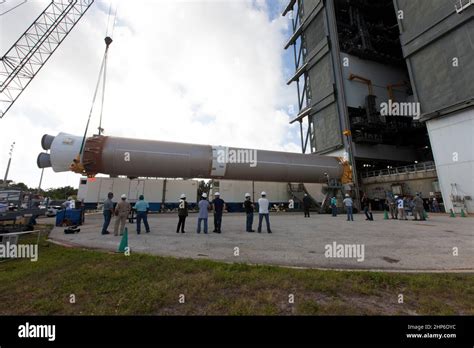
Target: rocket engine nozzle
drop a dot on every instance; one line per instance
(43, 160)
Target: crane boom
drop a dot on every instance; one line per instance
(32, 50)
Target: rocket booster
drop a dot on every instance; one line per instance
(150, 158)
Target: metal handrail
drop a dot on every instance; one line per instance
(412, 168)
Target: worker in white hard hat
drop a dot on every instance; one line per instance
(203, 213)
(122, 209)
(71, 203)
(182, 213)
(67, 204)
(348, 203)
(263, 212)
(249, 207)
(218, 205)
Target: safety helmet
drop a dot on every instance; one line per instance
(204, 195)
(264, 193)
(124, 196)
(247, 194)
(217, 194)
(182, 196)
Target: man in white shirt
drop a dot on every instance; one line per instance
(401, 208)
(263, 204)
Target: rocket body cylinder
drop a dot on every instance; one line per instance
(149, 158)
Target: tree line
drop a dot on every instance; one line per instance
(59, 193)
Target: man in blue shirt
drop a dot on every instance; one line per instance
(218, 205)
(203, 213)
(142, 207)
(334, 206)
(348, 203)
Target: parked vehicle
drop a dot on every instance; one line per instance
(53, 210)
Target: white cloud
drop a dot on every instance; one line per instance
(201, 72)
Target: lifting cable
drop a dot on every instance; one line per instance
(76, 165)
(102, 77)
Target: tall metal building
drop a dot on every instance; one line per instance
(375, 77)
(437, 38)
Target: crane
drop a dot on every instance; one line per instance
(31, 51)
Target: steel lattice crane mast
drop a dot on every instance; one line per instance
(32, 50)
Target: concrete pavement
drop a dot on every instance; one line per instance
(301, 242)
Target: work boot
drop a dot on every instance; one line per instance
(269, 231)
(106, 232)
(183, 232)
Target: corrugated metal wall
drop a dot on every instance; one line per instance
(324, 116)
(433, 34)
(433, 37)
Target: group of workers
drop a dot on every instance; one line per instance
(397, 207)
(123, 208)
(347, 202)
(121, 212)
(218, 206)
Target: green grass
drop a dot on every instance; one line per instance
(107, 283)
